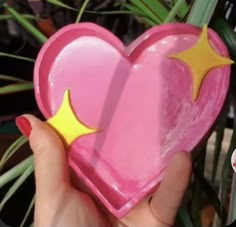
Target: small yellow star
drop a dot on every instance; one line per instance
(201, 58)
(67, 124)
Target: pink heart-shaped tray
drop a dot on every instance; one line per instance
(138, 97)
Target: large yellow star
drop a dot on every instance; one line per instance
(67, 124)
(201, 58)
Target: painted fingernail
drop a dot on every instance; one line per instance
(233, 160)
(24, 126)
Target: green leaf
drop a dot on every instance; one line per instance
(157, 8)
(2, 54)
(201, 12)
(111, 12)
(15, 171)
(25, 16)
(220, 128)
(18, 87)
(25, 24)
(149, 21)
(133, 9)
(17, 184)
(183, 10)
(82, 9)
(174, 11)
(11, 78)
(136, 11)
(14, 147)
(150, 13)
(197, 187)
(183, 218)
(195, 204)
(61, 4)
(226, 32)
(28, 212)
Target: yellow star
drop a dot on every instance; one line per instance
(201, 58)
(67, 124)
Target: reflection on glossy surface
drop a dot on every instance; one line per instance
(138, 96)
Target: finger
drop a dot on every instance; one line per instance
(166, 201)
(51, 169)
(141, 216)
(162, 209)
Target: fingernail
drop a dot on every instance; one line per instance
(24, 126)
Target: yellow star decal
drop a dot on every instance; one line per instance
(67, 124)
(201, 58)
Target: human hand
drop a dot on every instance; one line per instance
(59, 204)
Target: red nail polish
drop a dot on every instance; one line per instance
(24, 126)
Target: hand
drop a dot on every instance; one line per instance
(59, 204)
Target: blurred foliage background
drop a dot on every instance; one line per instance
(25, 25)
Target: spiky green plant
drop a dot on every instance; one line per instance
(150, 13)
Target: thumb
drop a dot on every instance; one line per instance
(166, 201)
(51, 168)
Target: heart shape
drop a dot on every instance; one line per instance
(139, 99)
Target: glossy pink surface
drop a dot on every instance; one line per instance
(140, 99)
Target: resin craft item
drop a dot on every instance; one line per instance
(125, 111)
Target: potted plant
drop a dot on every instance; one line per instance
(32, 22)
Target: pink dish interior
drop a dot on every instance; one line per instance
(139, 99)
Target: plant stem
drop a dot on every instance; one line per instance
(202, 12)
(2, 54)
(82, 9)
(25, 24)
(112, 12)
(12, 78)
(174, 11)
(16, 87)
(11, 150)
(26, 16)
(61, 4)
(28, 212)
(15, 171)
(17, 184)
